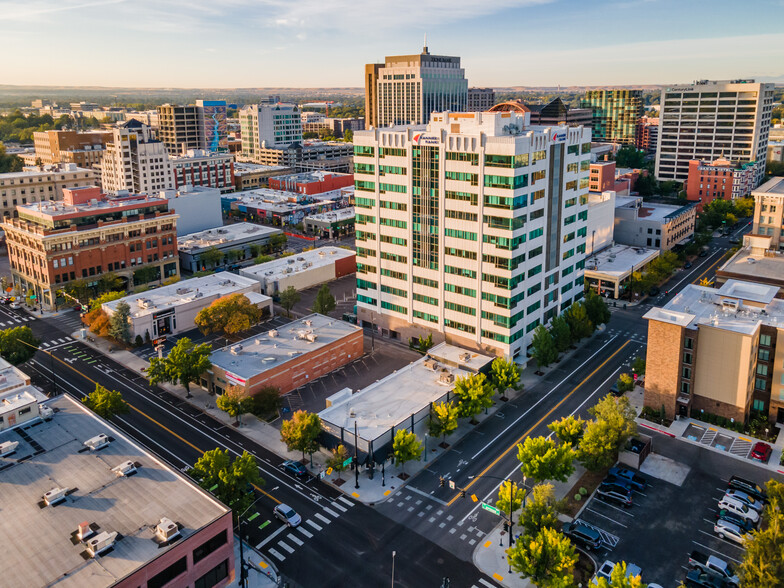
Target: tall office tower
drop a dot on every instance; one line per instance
(405, 89)
(212, 114)
(473, 227)
(180, 128)
(135, 160)
(616, 114)
(480, 99)
(711, 119)
(265, 126)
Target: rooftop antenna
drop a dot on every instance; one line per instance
(424, 49)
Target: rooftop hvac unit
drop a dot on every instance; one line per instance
(236, 349)
(8, 447)
(446, 377)
(430, 363)
(268, 359)
(198, 294)
(84, 531)
(144, 302)
(126, 468)
(183, 290)
(294, 353)
(55, 495)
(167, 529)
(101, 543)
(465, 357)
(300, 259)
(45, 411)
(273, 333)
(308, 322)
(97, 442)
(257, 341)
(352, 414)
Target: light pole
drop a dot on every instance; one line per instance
(511, 496)
(242, 556)
(394, 553)
(425, 446)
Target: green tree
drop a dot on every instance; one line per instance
(638, 366)
(629, 157)
(559, 331)
(231, 479)
(348, 135)
(289, 298)
(547, 559)
(510, 499)
(325, 301)
(763, 560)
(543, 347)
(232, 403)
(744, 207)
(473, 393)
(619, 579)
(230, 314)
(443, 420)
(406, 447)
(625, 383)
(265, 402)
(569, 429)
(185, 363)
(580, 324)
(211, 258)
(646, 185)
(109, 282)
(541, 510)
(120, 323)
(604, 436)
(105, 403)
(542, 459)
(504, 375)
(18, 344)
(97, 302)
(301, 432)
(597, 310)
(277, 242)
(337, 459)
(9, 163)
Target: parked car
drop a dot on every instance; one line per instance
(635, 480)
(605, 571)
(614, 390)
(654, 291)
(618, 483)
(287, 514)
(583, 534)
(16, 305)
(715, 566)
(703, 253)
(700, 579)
(614, 493)
(729, 531)
(761, 452)
(745, 499)
(734, 241)
(739, 508)
(687, 265)
(749, 487)
(735, 519)
(295, 468)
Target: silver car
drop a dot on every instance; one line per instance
(752, 503)
(727, 530)
(287, 514)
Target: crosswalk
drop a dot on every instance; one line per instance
(297, 536)
(15, 321)
(56, 342)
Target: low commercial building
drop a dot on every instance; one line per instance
(111, 528)
(171, 309)
(717, 351)
(757, 261)
(20, 402)
(306, 156)
(309, 268)
(312, 183)
(235, 242)
(402, 400)
(720, 179)
(776, 152)
(330, 225)
(285, 358)
(273, 206)
(610, 272)
(252, 175)
(198, 167)
(646, 224)
(39, 184)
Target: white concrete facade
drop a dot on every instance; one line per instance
(135, 161)
(198, 207)
(496, 249)
(265, 126)
(601, 220)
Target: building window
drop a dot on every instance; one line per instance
(167, 575)
(764, 355)
(689, 343)
(687, 373)
(685, 388)
(760, 384)
(214, 576)
(765, 340)
(209, 546)
(758, 405)
(762, 369)
(687, 358)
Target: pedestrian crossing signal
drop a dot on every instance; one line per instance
(462, 494)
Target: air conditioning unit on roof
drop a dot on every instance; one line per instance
(167, 529)
(97, 442)
(101, 543)
(55, 495)
(126, 468)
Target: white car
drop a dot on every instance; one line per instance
(287, 514)
(727, 530)
(16, 305)
(745, 499)
(739, 508)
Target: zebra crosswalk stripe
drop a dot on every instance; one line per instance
(332, 512)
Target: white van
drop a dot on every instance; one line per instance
(736, 506)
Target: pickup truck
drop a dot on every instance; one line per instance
(715, 566)
(632, 478)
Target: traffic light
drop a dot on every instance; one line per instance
(441, 482)
(462, 494)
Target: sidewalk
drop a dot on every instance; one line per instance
(261, 572)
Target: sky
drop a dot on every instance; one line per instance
(325, 43)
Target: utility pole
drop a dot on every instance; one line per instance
(356, 455)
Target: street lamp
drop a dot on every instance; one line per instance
(425, 446)
(242, 557)
(394, 553)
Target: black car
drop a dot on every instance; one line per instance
(614, 493)
(687, 265)
(583, 534)
(703, 253)
(751, 488)
(699, 579)
(654, 291)
(744, 524)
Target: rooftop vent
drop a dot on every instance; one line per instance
(84, 531)
(126, 468)
(55, 495)
(198, 294)
(97, 442)
(183, 290)
(273, 333)
(101, 543)
(730, 304)
(166, 529)
(352, 413)
(8, 447)
(236, 349)
(257, 341)
(446, 377)
(465, 357)
(268, 359)
(311, 337)
(294, 353)
(308, 322)
(144, 303)
(431, 363)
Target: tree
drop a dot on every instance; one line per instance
(579, 323)
(105, 403)
(619, 579)
(543, 347)
(546, 558)
(325, 301)
(120, 323)
(596, 309)
(541, 510)
(109, 282)
(406, 447)
(289, 298)
(543, 460)
(185, 363)
(348, 135)
(230, 314)
(337, 459)
(301, 432)
(629, 157)
(569, 429)
(607, 433)
(638, 366)
(212, 257)
(559, 331)
(504, 375)
(510, 499)
(18, 344)
(443, 420)
(473, 393)
(232, 402)
(265, 402)
(645, 185)
(763, 560)
(232, 479)
(98, 302)
(278, 241)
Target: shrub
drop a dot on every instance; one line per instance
(138, 341)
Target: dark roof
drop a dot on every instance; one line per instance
(133, 124)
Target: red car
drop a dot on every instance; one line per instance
(761, 452)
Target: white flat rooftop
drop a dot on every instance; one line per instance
(303, 261)
(258, 354)
(206, 288)
(241, 168)
(617, 261)
(755, 266)
(17, 398)
(773, 187)
(225, 234)
(334, 216)
(39, 546)
(393, 399)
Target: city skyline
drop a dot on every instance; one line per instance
(305, 44)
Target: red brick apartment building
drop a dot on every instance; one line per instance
(311, 183)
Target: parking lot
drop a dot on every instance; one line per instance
(674, 515)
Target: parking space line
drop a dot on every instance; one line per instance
(606, 517)
(720, 539)
(618, 509)
(714, 551)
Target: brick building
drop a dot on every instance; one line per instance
(648, 134)
(83, 149)
(316, 182)
(602, 176)
(718, 180)
(198, 167)
(86, 235)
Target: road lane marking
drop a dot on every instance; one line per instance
(286, 547)
(295, 539)
(305, 532)
(322, 518)
(314, 525)
(332, 512)
(271, 537)
(277, 554)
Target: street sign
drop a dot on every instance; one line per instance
(322, 475)
(329, 471)
(348, 461)
(452, 484)
(491, 508)
(32, 296)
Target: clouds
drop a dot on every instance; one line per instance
(30, 11)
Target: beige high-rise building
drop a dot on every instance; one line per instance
(136, 161)
(405, 89)
(769, 211)
(39, 184)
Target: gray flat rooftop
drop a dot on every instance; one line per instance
(651, 211)
(391, 400)
(303, 261)
(746, 263)
(333, 216)
(37, 541)
(617, 261)
(258, 354)
(773, 187)
(241, 168)
(225, 234)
